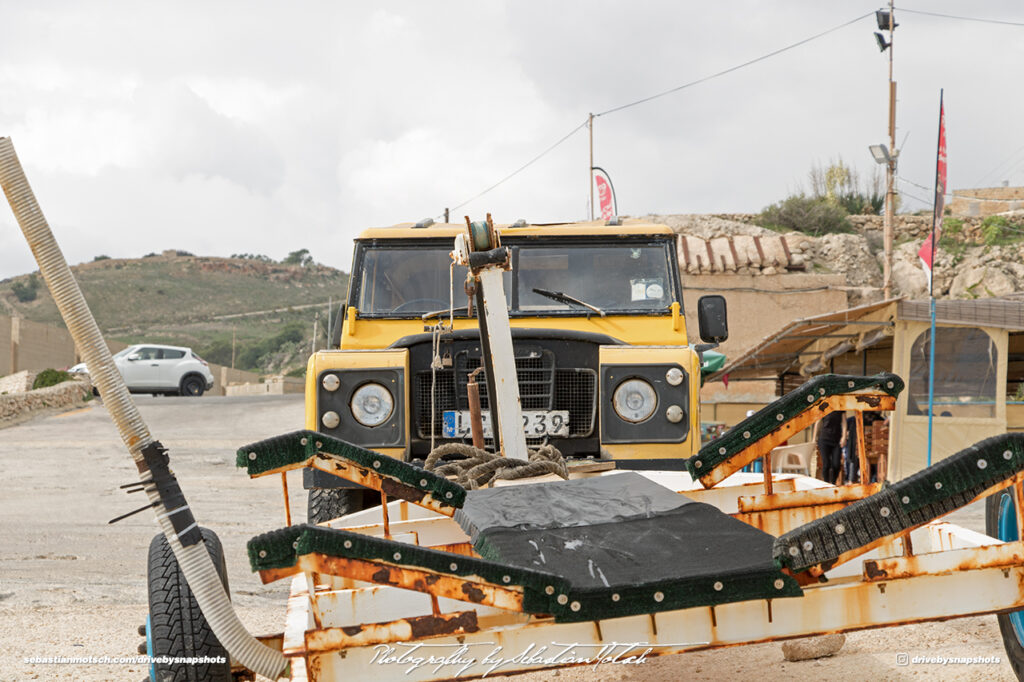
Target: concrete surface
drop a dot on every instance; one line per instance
(71, 585)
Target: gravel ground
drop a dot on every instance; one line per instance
(71, 585)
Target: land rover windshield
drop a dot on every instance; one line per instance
(548, 277)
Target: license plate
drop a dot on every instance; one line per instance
(536, 423)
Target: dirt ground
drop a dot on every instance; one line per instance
(72, 585)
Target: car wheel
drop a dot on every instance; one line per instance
(1001, 523)
(193, 386)
(176, 626)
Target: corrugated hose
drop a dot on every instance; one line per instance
(176, 522)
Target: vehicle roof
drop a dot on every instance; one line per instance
(159, 345)
(630, 228)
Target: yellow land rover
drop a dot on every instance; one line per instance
(598, 332)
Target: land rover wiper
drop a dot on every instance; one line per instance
(565, 298)
(455, 311)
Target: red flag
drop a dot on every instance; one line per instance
(928, 248)
(605, 193)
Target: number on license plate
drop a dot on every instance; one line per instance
(536, 423)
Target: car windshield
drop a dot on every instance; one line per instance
(570, 278)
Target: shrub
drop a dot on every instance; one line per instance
(26, 291)
(997, 229)
(100, 257)
(51, 377)
(813, 216)
(300, 257)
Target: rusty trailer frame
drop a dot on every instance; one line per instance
(352, 619)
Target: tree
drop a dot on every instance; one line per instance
(300, 257)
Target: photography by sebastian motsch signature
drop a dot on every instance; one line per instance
(460, 659)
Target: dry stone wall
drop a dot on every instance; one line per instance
(15, 406)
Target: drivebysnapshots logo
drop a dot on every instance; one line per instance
(907, 659)
(122, 660)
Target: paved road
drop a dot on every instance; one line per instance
(71, 585)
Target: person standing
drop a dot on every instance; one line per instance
(829, 434)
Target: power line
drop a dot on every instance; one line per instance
(523, 167)
(953, 16)
(653, 97)
(734, 68)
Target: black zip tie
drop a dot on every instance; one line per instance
(132, 513)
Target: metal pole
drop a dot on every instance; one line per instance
(590, 166)
(936, 218)
(890, 170)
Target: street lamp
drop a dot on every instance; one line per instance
(880, 153)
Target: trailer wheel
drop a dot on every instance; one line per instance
(176, 627)
(325, 504)
(1001, 523)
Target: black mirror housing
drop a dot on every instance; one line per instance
(712, 319)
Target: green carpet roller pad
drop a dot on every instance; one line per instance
(281, 548)
(268, 456)
(916, 500)
(773, 416)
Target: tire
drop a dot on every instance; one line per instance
(1001, 523)
(193, 385)
(176, 626)
(325, 504)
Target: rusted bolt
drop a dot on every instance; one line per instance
(506, 579)
(808, 545)
(319, 444)
(721, 451)
(616, 597)
(697, 464)
(810, 398)
(906, 499)
(840, 529)
(252, 456)
(575, 606)
(348, 544)
(1007, 455)
(295, 545)
(849, 384)
(884, 511)
(779, 583)
(397, 556)
(718, 586)
(563, 599)
(549, 590)
(263, 554)
(453, 567)
(423, 483)
(376, 464)
(821, 391)
(779, 417)
(938, 485)
(303, 441)
(448, 495)
(982, 464)
(793, 551)
(659, 597)
(746, 434)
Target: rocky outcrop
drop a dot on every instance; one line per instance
(734, 244)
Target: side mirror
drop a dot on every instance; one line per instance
(712, 319)
(336, 325)
(133, 357)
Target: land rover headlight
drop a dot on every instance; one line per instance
(634, 400)
(372, 404)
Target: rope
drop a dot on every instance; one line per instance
(473, 467)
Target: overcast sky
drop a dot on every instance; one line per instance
(223, 127)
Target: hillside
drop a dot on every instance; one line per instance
(200, 302)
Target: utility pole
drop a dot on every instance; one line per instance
(890, 169)
(590, 166)
(316, 322)
(232, 348)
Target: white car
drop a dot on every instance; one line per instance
(150, 368)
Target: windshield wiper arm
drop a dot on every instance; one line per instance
(565, 298)
(434, 313)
